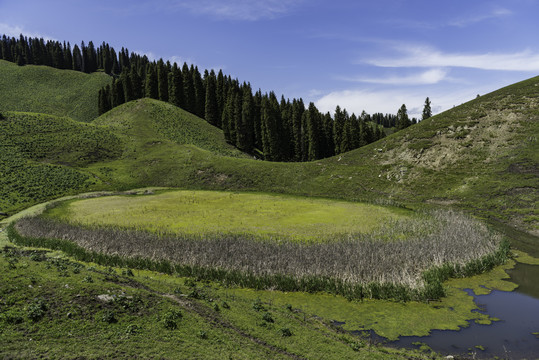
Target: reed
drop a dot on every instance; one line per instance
(391, 263)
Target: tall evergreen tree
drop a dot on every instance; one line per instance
(152, 90)
(200, 93)
(338, 126)
(246, 135)
(312, 120)
(212, 107)
(177, 96)
(162, 80)
(402, 121)
(427, 112)
(188, 89)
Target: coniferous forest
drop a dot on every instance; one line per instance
(257, 123)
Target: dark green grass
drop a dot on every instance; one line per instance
(54, 307)
(43, 89)
(41, 157)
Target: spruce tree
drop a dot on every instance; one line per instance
(338, 126)
(177, 86)
(313, 132)
(427, 112)
(188, 89)
(402, 121)
(246, 137)
(162, 80)
(200, 93)
(211, 113)
(151, 85)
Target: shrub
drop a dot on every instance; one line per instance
(12, 317)
(285, 332)
(132, 329)
(169, 319)
(36, 310)
(267, 317)
(109, 317)
(202, 334)
(257, 305)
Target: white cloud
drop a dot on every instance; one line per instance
(16, 31)
(249, 10)
(389, 101)
(494, 14)
(424, 56)
(429, 77)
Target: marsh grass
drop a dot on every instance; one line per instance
(412, 266)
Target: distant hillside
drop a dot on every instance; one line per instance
(43, 89)
(145, 118)
(41, 156)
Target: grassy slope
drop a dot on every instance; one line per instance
(41, 156)
(152, 119)
(43, 89)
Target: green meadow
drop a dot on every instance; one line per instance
(212, 212)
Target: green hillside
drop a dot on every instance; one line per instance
(147, 118)
(41, 156)
(46, 90)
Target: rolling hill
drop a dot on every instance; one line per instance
(46, 90)
(481, 156)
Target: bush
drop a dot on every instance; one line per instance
(285, 332)
(36, 310)
(257, 305)
(169, 319)
(12, 317)
(109, 317)
(267, 317)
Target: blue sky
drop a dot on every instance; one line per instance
(363, 55)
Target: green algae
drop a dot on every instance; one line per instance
(392, 319)
(525, 258)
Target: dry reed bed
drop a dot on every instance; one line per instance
(389, 263)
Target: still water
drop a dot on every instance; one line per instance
(510, 338)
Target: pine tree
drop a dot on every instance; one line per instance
(151, 86)
(427, 112)
(211, 113)
(338, 125)
(246, 137)
(312, 120)
(200, 93)
(136, 82)
(402, 121)
(162, 80)
(189, 102)
(177, 96)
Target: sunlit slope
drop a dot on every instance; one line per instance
(41, 156)
(148, 118)
(47, 90)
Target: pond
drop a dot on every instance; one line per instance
(510, 338)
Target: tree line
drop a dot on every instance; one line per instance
(260, 124)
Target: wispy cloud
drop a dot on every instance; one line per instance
(247, 10)
(16, 31)
(424, 56)
(389, 101)
(470, 20)
(429, 77)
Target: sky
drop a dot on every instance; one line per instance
(361, 55)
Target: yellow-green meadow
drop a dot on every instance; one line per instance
(209, 212)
